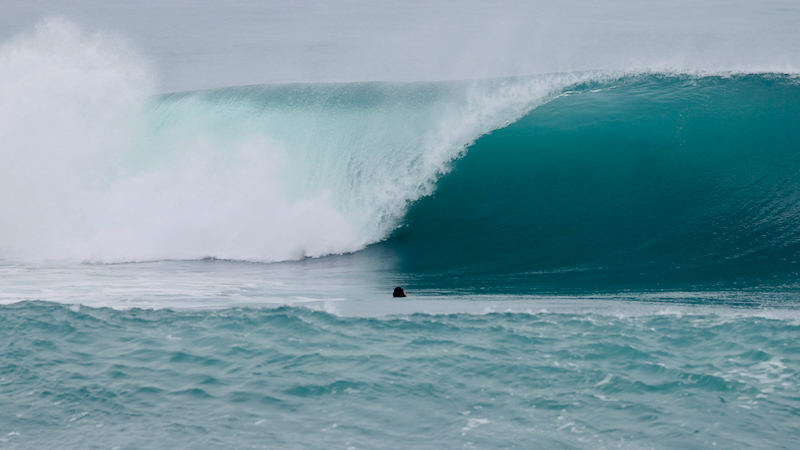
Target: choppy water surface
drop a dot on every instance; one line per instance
(296, 378)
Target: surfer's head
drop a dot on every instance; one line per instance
(398, 292)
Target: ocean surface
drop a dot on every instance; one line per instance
(599, 237)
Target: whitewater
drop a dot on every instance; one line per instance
(592, 206)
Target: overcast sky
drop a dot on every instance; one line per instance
(203, 44)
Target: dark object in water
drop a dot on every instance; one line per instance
(398, 292)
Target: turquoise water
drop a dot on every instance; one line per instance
(608, 264)
(291, 377)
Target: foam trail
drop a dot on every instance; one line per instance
(655, 180)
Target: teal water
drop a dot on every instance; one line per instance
(648, 182)
(291, 377)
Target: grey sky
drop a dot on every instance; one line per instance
(202, 44)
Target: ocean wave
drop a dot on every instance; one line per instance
(583, 170)
(650, 179)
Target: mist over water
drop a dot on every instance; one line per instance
(206, 44)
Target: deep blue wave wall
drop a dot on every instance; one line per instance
(656, 181)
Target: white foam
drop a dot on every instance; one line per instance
(93, 169)
(566, 425)
(357, 289)
(474, 423)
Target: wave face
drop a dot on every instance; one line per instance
(650, 180)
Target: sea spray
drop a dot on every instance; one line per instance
(100, 170)
(70, 107)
